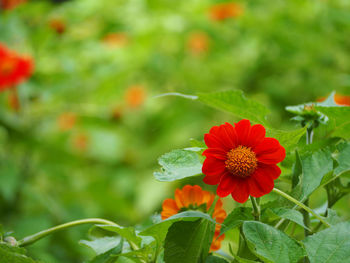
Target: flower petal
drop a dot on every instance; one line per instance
(270, 151)
(256, 136)
(213, 166)
(169, 208)
(270, 169)
(226, 185)
(212, 179)
(260, 183)
(216, 153)
(243, 132)
(241, 192)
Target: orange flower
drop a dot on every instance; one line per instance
(198, 42)
(58, 25)
(341, 100)
(224, 11)
(13, 68)
(66, 121)
(194, 198)
(10, 4)
(116, 39)
(135, 96)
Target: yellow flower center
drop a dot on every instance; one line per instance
(241, 161)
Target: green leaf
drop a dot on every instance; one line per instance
(288, 139)
(270, 244)
(332, 217)
(110, 255)
(339, 121)
(290, 214)
(342, 158)
(330, 245)
(314, 166)
(214, 259)
(9, 254)
(234, 101)
(159, 230)
(236, 218)
(188, 242)
(178, 164)
(101, 245)
(126, 232)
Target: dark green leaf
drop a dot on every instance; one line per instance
(288, 139)
(178, 164)
(330, 245)
(343, 158)
(214, 259)
(270, 244)
(9, 254)
(290, 214)
(110, 255)
(188, 242)
(101, 245)
(236, 218)
(126, 232)
(235, 102)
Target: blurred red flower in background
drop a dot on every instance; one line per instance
(198, 43)
(135, 96)
(241, 160)
(224, 11)
(341, 100)
(116, 39)
(14, 68)
(80, 142)
(66, 121)
(194, 198)
(58, 25)
(10, 4)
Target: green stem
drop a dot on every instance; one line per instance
(35, 237)
(256, 208)
(308, 209)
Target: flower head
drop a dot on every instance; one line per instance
(58, 25)
(224, 11)
(13, 68)
(66, 121)
(241, 160)
(194, 198)
(118, 39)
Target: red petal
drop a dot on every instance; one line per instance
(226, 185)
(213, 166)
(260, 183)
(271, 169)
(257, 135)
(228, 134)
(270, 151)
(212, 180)
(241, 192)
(214, 141)
(243, 131)
(216, 153)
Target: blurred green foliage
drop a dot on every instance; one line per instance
(277, 52)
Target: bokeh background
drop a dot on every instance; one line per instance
(86, 136)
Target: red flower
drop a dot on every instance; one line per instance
(13, 68)
(11, 4)
(198, 43)
(224, 11)
(194, 198)
(241, 160)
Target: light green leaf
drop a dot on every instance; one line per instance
(126, 232)
(234, 101)
(290, 214)
(314, 166)
(339, 121)
(110, 255)
(330, 245)
(288, 139)
(343, 158)
(332, 217)
(178, 164)
(214, 259)
(188, 242)
(101, 245)
(159, 230)
(270, 244)
(236, 218)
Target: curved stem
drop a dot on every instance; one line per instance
(37, 236)
(256, 208)
(306, 208)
